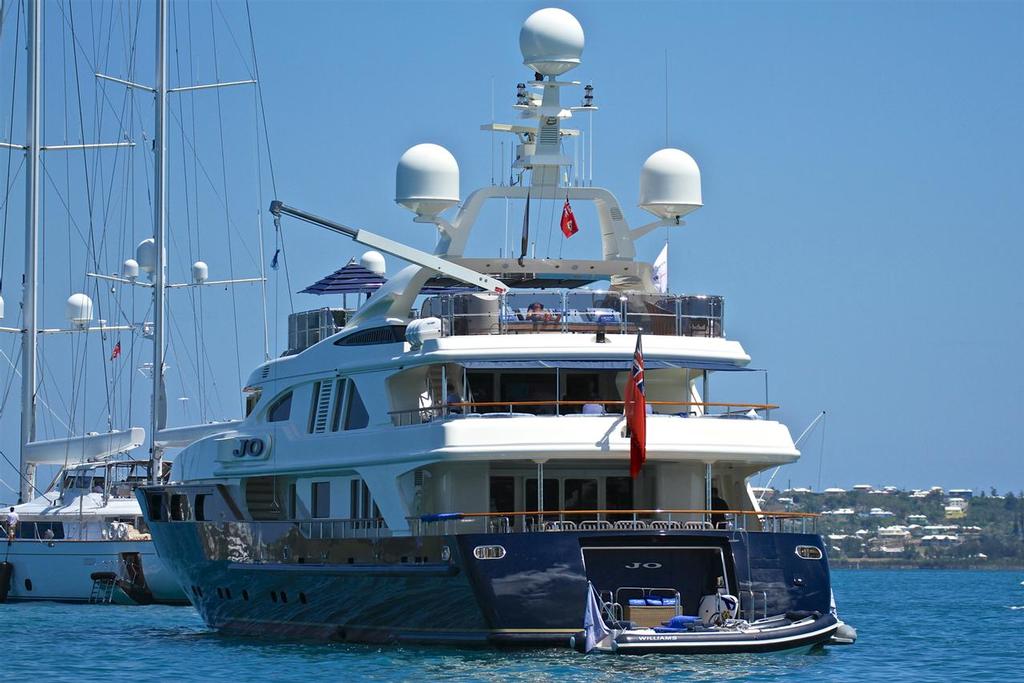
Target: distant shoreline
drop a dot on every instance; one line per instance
(871, 563)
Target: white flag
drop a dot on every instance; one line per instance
(660, 272)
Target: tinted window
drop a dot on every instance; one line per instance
(339, 398)
(201, 506)
(281, 410)
(356, 417)
(321, 498)
(503, 494)
(581, 494)
(550, 494)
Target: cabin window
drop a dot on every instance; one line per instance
(179, 508)
(37, 531)
(503, 494)
(281, 409)
(356, 416)
(339, 401)
(201, 506)
(251, 399)
(153, 503)
(550, 494)
(361, 505)
(618, 493)
(321, 499)
(580, 494)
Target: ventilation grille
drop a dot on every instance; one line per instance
(615, 212)
(549, 135)
(322, 406)
(265, 371)
(378, 335)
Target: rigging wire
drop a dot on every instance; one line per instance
(224, 178)
(10, 150)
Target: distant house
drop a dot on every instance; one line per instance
(834, 491)
(917, 519)
(862, 487)
(763, 492)
(879, 512)
(940, 541)
(955, 508)
(840, 512)
(966, 494)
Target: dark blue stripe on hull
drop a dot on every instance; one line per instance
(533, 595)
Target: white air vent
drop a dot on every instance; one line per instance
(615, 212)
(265, 372)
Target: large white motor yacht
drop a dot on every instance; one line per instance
(450, 461)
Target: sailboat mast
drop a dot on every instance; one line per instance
(29, 361)
(159, 404)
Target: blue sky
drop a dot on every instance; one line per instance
(861, 173)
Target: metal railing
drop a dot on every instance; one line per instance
(412, 416)
(579, 311)
(450, 523)
(321, 529)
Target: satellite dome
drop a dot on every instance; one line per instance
(78, 310)
(670, 184)
(1, 308)
(130, 269)
(373, 261)
(551, 41)
(200, 272)
(427, 179)
(145, 255)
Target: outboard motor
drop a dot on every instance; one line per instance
(716, 609)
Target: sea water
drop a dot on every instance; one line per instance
(913, 625)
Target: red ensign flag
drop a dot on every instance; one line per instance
(636, 412)
(116, 352)
(569, 226)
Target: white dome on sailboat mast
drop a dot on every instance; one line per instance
(200, 272)
(427, 180)
(130, 269)
(551, 41)
(145, 255)
(78, 310)
(670, 184)
(1, 307)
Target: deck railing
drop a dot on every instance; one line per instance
(581, 311)
(594, 408)
(611, 520)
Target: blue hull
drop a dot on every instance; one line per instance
(534, 594)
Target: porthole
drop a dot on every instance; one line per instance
(273, 596)
(227, 593)
(245, 594)
(284, 597)
(489, 552)
(220, 593)
(808, 552)
(28, 585)
(302, 598)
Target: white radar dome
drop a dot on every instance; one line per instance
(130, 269)
(145, 255)
(373, 261)
(200, 272)
(427, 179)
(670, 184)
(551, 41)
(78, 310)
(1, 308)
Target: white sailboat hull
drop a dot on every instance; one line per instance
(61, 570)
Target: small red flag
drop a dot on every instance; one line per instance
(116, 352)
(569, 225)
(636, 412)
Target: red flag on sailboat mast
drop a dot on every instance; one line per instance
(635, 410)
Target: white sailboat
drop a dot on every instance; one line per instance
(84, 538)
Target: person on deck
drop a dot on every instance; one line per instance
(718, 503)
(536, 312)
(12, 524)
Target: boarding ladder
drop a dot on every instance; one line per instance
(103, 585)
